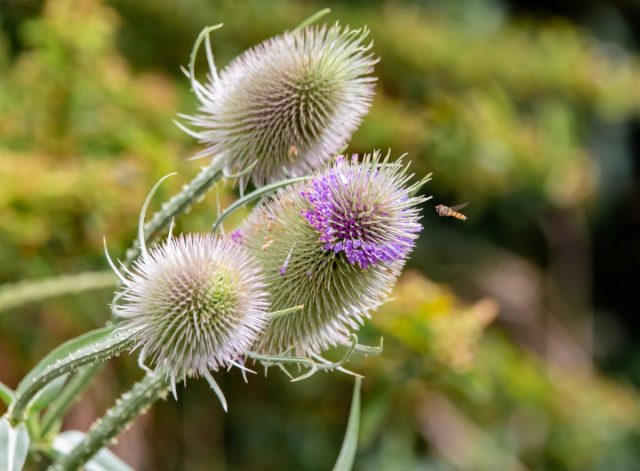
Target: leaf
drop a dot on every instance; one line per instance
(63, 351)
(6, 394)
(350, 442)
(104, 460)
(47, 394)
(14, 445)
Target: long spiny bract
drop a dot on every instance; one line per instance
(289, 103)
(335, 244)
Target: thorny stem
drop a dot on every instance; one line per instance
(66, 365)
(191, 193)
(16, 294)
(126, 410)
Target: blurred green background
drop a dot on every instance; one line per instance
(512, 339)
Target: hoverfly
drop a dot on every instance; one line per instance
(452, 211)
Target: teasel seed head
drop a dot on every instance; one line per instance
(199, 302)
(336, 244)
(288, 104)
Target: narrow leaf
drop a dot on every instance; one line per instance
(71, 393)
(104, 460)
(6, 394)
(14, 445)
(47, 394)
(350, 443)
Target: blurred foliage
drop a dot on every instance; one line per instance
(503, 107)
(482, 402)
(502, 110)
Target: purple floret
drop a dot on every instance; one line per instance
(368, 232)
(237, 237)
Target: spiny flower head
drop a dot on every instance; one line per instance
(336, 244)
(288, 104)
(355, 210)
(199, 302)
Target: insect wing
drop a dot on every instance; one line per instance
(459, 207)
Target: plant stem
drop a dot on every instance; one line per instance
(127, 408)
(99, 351)
(191, 193)
(16, 294)
(69, 395)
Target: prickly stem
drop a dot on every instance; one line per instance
(190, 194)
(118, 418)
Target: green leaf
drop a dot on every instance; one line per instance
(71, 393)
(47, 394)
(63, 351)
(14, 445)
(350, 442)
(6, 394)
(104, 460)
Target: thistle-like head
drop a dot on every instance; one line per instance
(361, 210)
(335, 244)
(289, 103)
(199, 302)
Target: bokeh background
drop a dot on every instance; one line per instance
(512, 339)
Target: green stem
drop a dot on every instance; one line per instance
(94, 353)
(127, 408)
(16, 294)
(69, 395)
(191, 193)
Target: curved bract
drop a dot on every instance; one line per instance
(335, 244)
(289, 103)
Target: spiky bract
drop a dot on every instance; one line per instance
(199, 302)
(289, 103)
(335, 244)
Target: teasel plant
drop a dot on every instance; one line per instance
(320, 251)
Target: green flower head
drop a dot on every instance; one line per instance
(335, 244)
(287, 104)
(198, 302)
